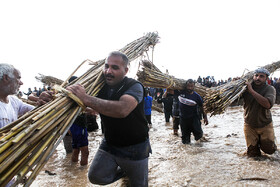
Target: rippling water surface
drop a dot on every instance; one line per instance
(219, 160)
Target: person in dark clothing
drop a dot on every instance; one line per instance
(277, 88)
(159, 93)
(29, 92)
(167, 100)
(125, 148)
(176, 112)
(190, 104)
(258, 125)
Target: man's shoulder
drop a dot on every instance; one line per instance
(13, 98)
(269, 88)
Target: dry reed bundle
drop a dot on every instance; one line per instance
(151, 76)
(48, 80)
(27, 144)
(217, 99)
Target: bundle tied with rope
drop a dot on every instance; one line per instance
(27, 143)
(217, 99)
(150, 76)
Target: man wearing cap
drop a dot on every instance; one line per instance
(258, 127)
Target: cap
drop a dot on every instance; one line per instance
(262, 70)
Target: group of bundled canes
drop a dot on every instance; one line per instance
(259, 98)
(125, 149)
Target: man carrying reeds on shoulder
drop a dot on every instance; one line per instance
(258, 127)
(120, 103)
(191, 108)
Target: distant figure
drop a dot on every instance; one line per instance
(39, 92)
(148, 102)
(175, 112)
(167, 100)
(277, 88)
(44, 88)
(191, 107)
(207, 83)
(29, 92)
(19, 94)
(199, 79)
(258, 127)
(35, 90)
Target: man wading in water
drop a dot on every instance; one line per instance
(120, 103)
(258, 127)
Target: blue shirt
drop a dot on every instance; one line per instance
(148, 101)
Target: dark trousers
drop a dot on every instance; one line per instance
(188, 126)
(148, 118)
(167, 115)
(176, 122)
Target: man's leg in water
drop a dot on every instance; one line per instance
(104, 169)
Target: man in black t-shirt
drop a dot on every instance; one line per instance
(125, 148)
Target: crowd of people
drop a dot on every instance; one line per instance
(124, 106)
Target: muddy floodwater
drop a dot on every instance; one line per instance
(218, 160)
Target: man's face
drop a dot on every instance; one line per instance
(114, 70)
(259, 79)
(190, 87)
(14, 83)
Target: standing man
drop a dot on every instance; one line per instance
(167, 100)
(258, 127)
(191, 107)
(120, 103)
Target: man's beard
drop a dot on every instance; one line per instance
(189, 91)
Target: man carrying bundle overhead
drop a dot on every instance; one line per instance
(120, 103)
(191, 108)
(258, 127)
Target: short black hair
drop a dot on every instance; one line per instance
(72, 78)
(190, 81)
(118, 53)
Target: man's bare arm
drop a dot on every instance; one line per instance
(117, 109)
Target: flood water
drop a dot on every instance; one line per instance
(219, 160)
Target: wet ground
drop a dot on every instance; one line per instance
(219, 160)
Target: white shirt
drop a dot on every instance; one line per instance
(10, 112)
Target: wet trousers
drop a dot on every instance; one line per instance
(176, 122)
(259, 139)
(107, 168)
(167, 115)
(188, 126)
(148, 118)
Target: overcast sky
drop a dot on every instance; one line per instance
(219, 38)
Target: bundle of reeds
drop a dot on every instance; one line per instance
(48, 80)
(150, 76)
(27, 144)
(217, 99)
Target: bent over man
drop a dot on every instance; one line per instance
(120, 103)
(258, 128)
